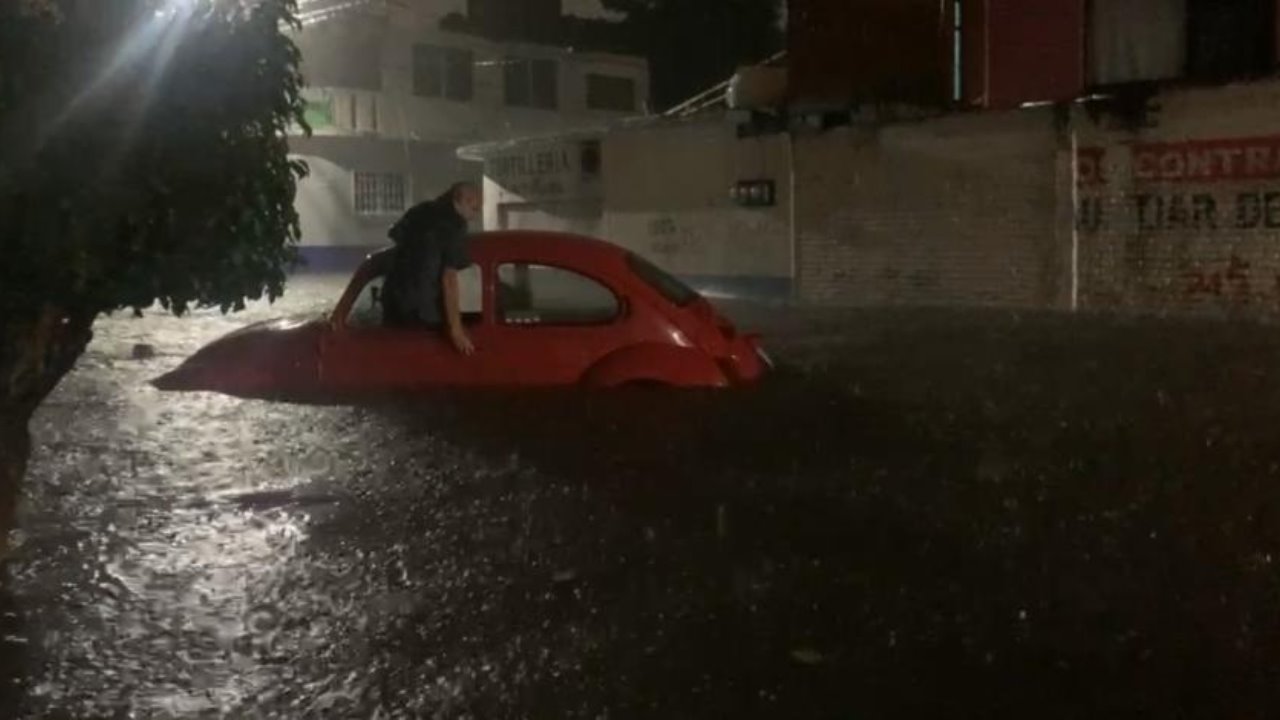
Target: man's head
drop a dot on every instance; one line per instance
(467, 200)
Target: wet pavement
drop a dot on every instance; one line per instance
(959, 514)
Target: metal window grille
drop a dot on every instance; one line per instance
(379, 193)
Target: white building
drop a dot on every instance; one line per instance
(691, 190)
(391, 97)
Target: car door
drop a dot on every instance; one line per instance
(553, 322)
(360, 354)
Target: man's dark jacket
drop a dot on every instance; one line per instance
(430, 238)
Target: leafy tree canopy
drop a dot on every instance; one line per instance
(143, 159)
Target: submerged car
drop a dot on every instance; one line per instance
(543, 309)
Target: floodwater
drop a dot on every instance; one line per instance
(926, 513)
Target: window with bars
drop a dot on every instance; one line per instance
(379, 193)
(441, 72)
(531, 83)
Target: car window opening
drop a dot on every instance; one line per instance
(534, 294)
(366, 311)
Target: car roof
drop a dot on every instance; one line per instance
(535, 245)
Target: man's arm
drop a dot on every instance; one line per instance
(453, 315)
(455, 260)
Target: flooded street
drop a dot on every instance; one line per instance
(958, 514)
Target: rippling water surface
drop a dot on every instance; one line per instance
(960, 514)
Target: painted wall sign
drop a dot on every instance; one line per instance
(540, 175)
(1207, 160)
(1217, 160)
(1201, 212)
(1124, 190)
(1193, 220)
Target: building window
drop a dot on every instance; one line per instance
(1210, 40)
(590, 158)
(440, 72)
(319, 113)
(531, 83)
(1140, 40)
(608, 92)
(379, 193)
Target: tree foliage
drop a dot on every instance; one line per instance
(143, 159)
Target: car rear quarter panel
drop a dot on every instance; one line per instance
(655, 362)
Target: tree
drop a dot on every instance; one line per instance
(143, 160)
(694, 44)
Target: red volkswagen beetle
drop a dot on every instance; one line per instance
(543, 309)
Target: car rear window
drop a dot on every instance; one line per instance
(655, 277)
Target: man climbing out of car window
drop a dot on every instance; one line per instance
(431, 247)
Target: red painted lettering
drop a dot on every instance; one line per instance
(1173, 165)
(1258, 161)
(1089, 166)
(1199, 164)
(1229, 156)
(1144, 165)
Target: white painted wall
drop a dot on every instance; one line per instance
(325, 199)
(667, 197)
(544, 185)
(663, 192)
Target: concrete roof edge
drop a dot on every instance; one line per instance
(482, 151)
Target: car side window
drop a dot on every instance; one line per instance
(366, 311)
(532, 294)
(470, 294)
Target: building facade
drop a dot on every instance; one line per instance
(1044, 154)
(1086, 155)
(676, 191)
(391, 96)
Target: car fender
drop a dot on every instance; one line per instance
(655, 363)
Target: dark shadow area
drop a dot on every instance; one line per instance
(15, 655)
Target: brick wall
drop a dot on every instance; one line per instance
(956, 210)
(1172, 205)
(1182, 214)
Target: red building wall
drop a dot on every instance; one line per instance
(1033, 50)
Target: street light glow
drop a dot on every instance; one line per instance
(174, 8)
